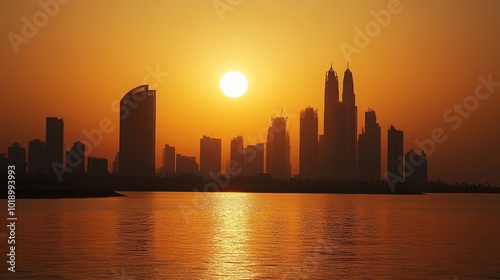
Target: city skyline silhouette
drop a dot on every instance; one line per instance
(327, 155)
(416, 89)
(237, 139)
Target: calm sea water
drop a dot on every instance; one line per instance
(258, 236)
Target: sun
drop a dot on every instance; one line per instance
(233, 84)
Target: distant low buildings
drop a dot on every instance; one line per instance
(75, 160)
(186, 165)
(415, 167)
(4, 163)
(254, 159)
(36, 158)
(17, 156)
(97, 167)
(237, 153)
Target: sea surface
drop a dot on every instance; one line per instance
(161, 235)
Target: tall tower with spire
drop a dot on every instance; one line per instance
(338, 154)
(351, 120)
(332, 105)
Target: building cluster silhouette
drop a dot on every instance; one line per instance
(47, 158)
(339, 154)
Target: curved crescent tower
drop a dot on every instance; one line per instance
(137, 132)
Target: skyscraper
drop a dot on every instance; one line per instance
(321, 157)
(351, 127)
(137, 132)
(54, 141)
(339, 142)
(168, 169)
(415, 167)
(308, 150)
(395, 154)
(17, 155)
(237, 153)
(36, 158)
(331, 129)
(210, 156)
(278, 150)
(116, 163)
(254, 156)
(75, 160)
(369, 156)
(288, 164)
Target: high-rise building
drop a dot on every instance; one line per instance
(4, 163)
(137, 132)
(75, 160)
(415, 167)
(168, 168)
(369, 145)
(116, 163)
(237, 153)
(97, 167)
(186, 165)
(338, 150)
(395, 155)
(210, 156)
(351, 127)
(331, 129)
(288, 164)
(37, 161)
(17, 155)
(308, 150)
(321, 157)
(254, 156)
(278, 150)
(54, 141)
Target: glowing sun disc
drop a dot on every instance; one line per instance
(233, 84)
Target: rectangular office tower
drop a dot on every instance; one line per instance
(54, 142)
(369, 145)
(210, 156)
(137, 132)
(168, 168)
(254, 157)
(278, 150)
(395, 154)
(75, 160)
(308, 150)
(36, 157)
(237, 154)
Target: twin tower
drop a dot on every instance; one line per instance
(337, 151)
(338, 158)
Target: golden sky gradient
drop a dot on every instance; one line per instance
(89, 53)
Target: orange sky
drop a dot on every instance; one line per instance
(85, 55)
